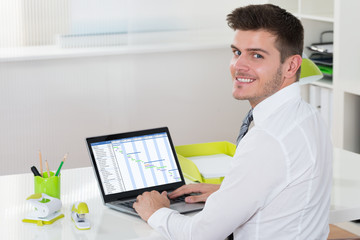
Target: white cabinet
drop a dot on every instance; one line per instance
(341, 17)
(347, 75)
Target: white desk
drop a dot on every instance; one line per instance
(80, 185)
(345, 199)
(76, 185)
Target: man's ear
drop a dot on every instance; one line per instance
(292, 64)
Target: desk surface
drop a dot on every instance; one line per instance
(76, 185)
(80, 185)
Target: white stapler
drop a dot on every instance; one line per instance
(47, 209)
(78, 211)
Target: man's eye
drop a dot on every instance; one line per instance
(256, 55)
(237, 52)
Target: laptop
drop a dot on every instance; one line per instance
(128, 164)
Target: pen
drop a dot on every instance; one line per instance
(41, 167)
(61, 164)
(47, 168)
(35, 171)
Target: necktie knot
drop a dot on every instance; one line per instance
(245, 126)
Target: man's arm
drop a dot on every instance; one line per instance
(257, 173)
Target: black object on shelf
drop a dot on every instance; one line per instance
(322, 54)
(324, 59)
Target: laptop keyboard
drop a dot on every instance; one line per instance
(129, 204)
(178, 199)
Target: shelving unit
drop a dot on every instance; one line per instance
(340, 16)
(346, 76)
(316, 17)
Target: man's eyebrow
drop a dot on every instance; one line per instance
(232, 46)
(253, 49)
(257, 50)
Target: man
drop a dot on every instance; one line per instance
(280, 179)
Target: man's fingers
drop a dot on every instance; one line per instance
(196, 198)
(186, 189)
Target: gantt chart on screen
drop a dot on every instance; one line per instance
(134, 163)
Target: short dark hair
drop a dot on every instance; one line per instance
(287, 29)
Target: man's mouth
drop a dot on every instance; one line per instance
(245, 80)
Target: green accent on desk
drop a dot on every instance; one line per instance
(48, 185)
(77, 226)
(189, 168)
(35, 196)
(43, 222)
(58, 171)
(80, 208)
(45, 200)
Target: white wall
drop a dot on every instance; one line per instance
(53, 105)
(38, 22)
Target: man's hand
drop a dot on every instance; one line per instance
(149, 202)
(204, 189)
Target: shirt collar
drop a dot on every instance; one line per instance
(275, 101)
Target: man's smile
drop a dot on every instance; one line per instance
(245, 80)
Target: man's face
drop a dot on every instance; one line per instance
(255, 67)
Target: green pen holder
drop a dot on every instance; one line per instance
(48, 185)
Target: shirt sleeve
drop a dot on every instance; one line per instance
(257, 175)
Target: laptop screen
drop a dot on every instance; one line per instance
(132, 161)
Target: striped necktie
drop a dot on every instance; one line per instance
(245, 126)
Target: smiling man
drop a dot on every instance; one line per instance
(280, 179)
(255, 66)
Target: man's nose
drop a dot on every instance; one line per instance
(240, 63)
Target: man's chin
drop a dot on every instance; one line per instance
(239, 97)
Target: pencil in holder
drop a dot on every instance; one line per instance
(48, 185)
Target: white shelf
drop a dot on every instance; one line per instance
(137, 44)
(318, 17)
(319, 10)
(327, 83)
(54, 52)
(351, 86)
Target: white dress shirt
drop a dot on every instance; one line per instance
(279, 184)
